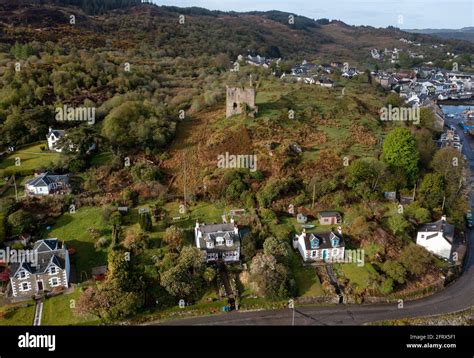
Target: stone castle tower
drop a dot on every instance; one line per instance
(236, 97)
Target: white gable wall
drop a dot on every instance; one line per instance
(437, 245)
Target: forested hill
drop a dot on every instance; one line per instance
(88, 6)
(125, 25)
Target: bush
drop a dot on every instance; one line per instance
(415, 259)
(248, 247)
(20, 222)
(101, 243)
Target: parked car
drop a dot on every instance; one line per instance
(469, 219)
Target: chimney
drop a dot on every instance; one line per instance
(304, 232)
(236, 230)
(339, 230)
(443, 217)
(232, 220)
(197, 224)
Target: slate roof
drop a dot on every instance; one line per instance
(213, 231)
(45, 179)
(48, 252)
(324, 240)
(327, 214)
(58, 133)
(439, 226)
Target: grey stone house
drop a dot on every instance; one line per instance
(220, 242)
(49, 269)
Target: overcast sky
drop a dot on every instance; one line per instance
(413, 14)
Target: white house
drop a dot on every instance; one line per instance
(220, 242)
(437, 237)
(46, 184)
(324, 246)
(53, 136)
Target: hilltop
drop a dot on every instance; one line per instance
(204, 31)
(466, 33)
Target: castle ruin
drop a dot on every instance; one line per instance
(240, 100)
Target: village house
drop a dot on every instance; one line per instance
(325, 68)
(325, 82)
(324, 246)
(351, 72)
(437, 237)
(53, 136)
(376, 55)
(329, 218)
(47, 184)
(219, 242)
(50, 270)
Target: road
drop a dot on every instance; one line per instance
(457, 296)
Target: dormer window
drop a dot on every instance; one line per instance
(53, 270)
(210, 245)
(229, 242)
(314, 243)
(220, 241)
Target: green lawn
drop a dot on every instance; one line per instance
(20, 314)
(101, 159)
(74, 230)
(59, 310)
(360, 276)
(201, 211)
(31, 159)
(308, 282)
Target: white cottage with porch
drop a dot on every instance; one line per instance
(323, 246)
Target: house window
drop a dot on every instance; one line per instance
(25, 286)
(53, 270)
(22, 275)
(54, 282)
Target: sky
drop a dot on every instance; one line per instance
(405, 14)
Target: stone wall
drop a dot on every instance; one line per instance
(236, 97)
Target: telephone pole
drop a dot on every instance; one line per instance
(16, 191)
(184, 180)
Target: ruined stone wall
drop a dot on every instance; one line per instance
(236, 97)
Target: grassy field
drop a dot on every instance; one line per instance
(308, 282)
(31, 158)
(20, 314)
(101, 159)
(59, 310)
(74, 230)
(360, 276)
